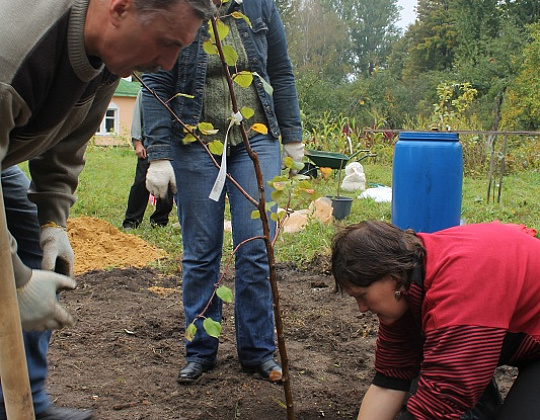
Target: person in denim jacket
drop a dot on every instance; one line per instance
(262, 48)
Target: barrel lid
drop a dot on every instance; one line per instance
(428, 135)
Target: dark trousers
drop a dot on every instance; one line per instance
(523, 399)
(138, 200)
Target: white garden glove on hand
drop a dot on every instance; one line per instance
(294, 150)
(38, 305)
(160, 178)
(58, 255)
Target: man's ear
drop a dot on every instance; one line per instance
(118, 10)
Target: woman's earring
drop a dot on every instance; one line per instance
(397, 295)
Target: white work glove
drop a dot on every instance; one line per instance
(58, 255)
(294, 150)
(160, 178)
(38, 305)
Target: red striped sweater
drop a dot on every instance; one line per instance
(478, 308)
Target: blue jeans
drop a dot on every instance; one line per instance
(202, 233)
(21, 217)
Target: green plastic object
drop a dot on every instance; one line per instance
(332, 160)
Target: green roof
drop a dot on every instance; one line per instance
(126, 88)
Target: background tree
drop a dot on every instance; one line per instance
(372, 29)
(318, 40)
(523, 12)
(351, 59)
(522, 107)
(432, 39)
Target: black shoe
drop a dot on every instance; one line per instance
(269, 370)
(61, 413)
(192, 372)
(130, 225)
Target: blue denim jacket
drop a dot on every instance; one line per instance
(266, 48)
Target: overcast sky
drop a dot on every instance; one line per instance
(407, 14)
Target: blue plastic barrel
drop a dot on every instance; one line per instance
(427, 181)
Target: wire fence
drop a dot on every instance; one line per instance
(495, 149)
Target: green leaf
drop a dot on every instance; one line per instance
(297, 166)
(225, 294)
(266, 86)
(210, 48)
(191, 330)
(239, 15)
(185, 95)
(306, 194)
(222, 29)
(207, 128)
(216, 147)
(278, 178)
(279, 215)
(230, 55)
(212, 328)
(305, 184)
(244, 78)
(276, 195)
(188, 138)
(255, 214)
(247, 113)
(288, 162)
(279, 185)
(269, 204)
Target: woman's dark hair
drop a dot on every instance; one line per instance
(365, 252)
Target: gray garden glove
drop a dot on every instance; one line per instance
(58, 255)
(38, 305)
(160, 178)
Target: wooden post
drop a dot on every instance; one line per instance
(13, 369)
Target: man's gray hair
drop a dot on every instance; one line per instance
(203, 9)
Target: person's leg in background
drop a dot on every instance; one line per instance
(138, 196)
(22, 222)
(254, 316)
(523, 399)
(164, 206)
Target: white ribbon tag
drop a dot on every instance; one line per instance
(222, 175)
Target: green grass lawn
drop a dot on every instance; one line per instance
(106, 180)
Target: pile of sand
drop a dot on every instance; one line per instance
(99, 245)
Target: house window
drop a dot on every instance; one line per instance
(109, 124)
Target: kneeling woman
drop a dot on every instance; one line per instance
(452, 305)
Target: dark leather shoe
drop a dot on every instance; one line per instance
(269, 370)
(62, 413)
(192, 372)
(130, 225)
